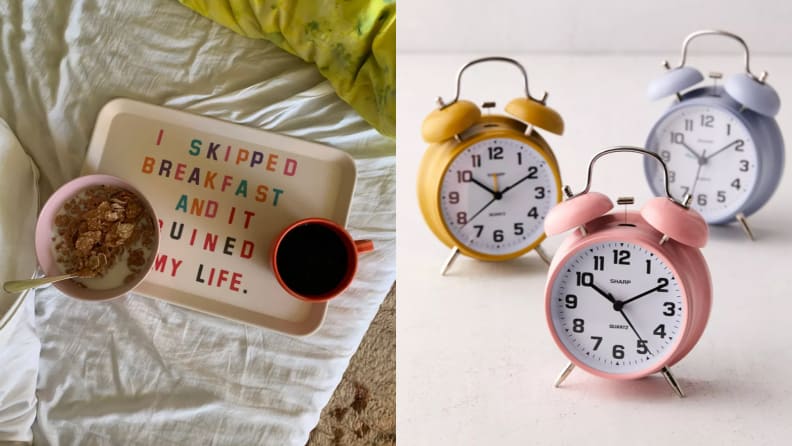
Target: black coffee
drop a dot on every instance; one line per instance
(312, 259)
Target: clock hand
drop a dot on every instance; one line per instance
(496, 195)
(698, 171)
(603, 293)
(727, 146)
(624, 315)
(483, 186)
(643, 294)
(690, 149)
(518, 182)
(494, 199)
(698, 157)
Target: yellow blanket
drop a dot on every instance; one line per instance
(352, 42)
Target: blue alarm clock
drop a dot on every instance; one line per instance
(722, 145)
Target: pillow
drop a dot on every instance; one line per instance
(352, 43)
(19, 345)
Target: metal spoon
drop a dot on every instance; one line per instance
(15, 286)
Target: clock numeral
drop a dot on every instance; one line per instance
(597, 341)
(461, 217)
(666, 155)
(701, 199)
(533, 213)
(464, 176)
(660, 331)
(495, 153)
(599, 263)
(621, 257)
(641, 347)
(662, 285)
(577, 325)
(648, 266)
(540, 192)
(736, 183)
(518, 229)
(744, 164)
(677, 138)
(738, 147)
(453, 197)
(618, 351)
(584, 279)
(479, 229)
(721, 196)
(685, 190)
(670, 309)
(476, 160)
(571, 301)
(497, 235)
(532, 172)
(671, 176)
(688, 125)
(728, 129)
(707, 120)
(519, 158)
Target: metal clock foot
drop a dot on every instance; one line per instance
(567, 370)
(672, 382)
(744, 223)
(450, 260)
(543, 254)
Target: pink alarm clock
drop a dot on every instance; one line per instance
(628, 293)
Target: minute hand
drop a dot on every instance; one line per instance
(518, 182)
(727, 146)
(643, 294)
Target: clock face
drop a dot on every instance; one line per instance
(617, 307)
(710, 154)
(495, 194)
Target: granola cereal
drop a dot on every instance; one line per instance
(103, 227)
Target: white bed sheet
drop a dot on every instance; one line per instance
(137, 370)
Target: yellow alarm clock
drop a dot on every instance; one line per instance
(486, 182)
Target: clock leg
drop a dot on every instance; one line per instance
(543, 254)
(672, 382)
(450, 260)
(744, 223)
(564, 373)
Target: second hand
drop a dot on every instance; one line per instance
(698, 171)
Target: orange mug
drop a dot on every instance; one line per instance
(315, 259)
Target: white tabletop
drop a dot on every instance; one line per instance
(476, 361)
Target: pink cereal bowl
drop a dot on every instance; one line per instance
(44, 231)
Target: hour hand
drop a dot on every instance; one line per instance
(686, 146)
(603, 293)
(483, 186)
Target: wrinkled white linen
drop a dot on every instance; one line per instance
(19, 345)
(141, 371)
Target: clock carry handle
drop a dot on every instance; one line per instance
(717, 32)
(444, 104)
(631, 149)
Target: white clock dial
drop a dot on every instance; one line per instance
(495, 195)
(710, 154)
(617, 307)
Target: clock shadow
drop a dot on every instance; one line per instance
(649, 389)
(527, 264)
(733, 232)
